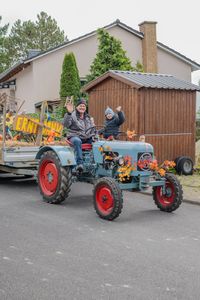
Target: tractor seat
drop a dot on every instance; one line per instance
(86, 147)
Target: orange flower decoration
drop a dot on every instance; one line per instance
(153, 165)
(130, 134)
(100, 149)
(51, 136)
(170, 164)
(162, 172)
(127, 160)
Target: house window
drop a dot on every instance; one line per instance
(83, 81)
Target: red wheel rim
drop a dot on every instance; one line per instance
(48, 177)
(104, 200)
(168, 198)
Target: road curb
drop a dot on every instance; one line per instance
(193, 202)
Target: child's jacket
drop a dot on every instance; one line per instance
(111, 127)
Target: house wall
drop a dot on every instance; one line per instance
(25, 87)
(168, 64)
(41, 80)
(130, 43)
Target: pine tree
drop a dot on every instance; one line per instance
(70, 81)
(110, 56)
(42, 34)
(22, 37)
(48, 33)
(138, 67)
(4, 58)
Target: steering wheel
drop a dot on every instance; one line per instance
(101, 127)
(94, 127)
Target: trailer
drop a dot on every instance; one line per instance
(18, 157)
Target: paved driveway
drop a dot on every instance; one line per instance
(67, 252)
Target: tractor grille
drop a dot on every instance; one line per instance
(144, 158)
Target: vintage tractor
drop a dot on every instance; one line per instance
(111, 166)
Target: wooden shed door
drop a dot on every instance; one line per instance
(168, 122)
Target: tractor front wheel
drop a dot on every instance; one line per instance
(173, 196)
(108, 200)
(54, 180)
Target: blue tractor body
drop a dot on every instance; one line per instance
(134, 150)
(112, 166)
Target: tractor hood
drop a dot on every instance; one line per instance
(123, 145)
(123, 148)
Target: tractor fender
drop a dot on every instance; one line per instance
(64, 153)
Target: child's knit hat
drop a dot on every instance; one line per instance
(109, 111)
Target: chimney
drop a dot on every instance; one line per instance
(149, 46)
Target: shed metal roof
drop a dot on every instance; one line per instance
(145, 80)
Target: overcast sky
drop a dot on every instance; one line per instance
(178, 21)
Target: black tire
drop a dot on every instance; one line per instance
(174, 196)
(60, 175)
(186, 166)
(109, 189)
(177, 160)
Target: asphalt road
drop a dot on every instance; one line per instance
(67, 252)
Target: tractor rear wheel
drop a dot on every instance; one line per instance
(184, 165)
(173, 197)
(108, 200)
(54, 180)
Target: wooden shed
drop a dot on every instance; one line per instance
(161, 107)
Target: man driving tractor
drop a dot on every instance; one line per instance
(80, 128)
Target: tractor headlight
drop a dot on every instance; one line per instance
(121, 161)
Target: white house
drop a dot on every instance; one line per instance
(37, 77)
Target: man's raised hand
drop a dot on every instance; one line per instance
(69, 105)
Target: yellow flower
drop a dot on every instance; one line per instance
(100, 149)
(162, 172)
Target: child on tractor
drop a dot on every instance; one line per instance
(112, 123)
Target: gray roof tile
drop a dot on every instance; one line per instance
(158, 81)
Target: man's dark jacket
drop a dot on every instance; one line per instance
(77, 126)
